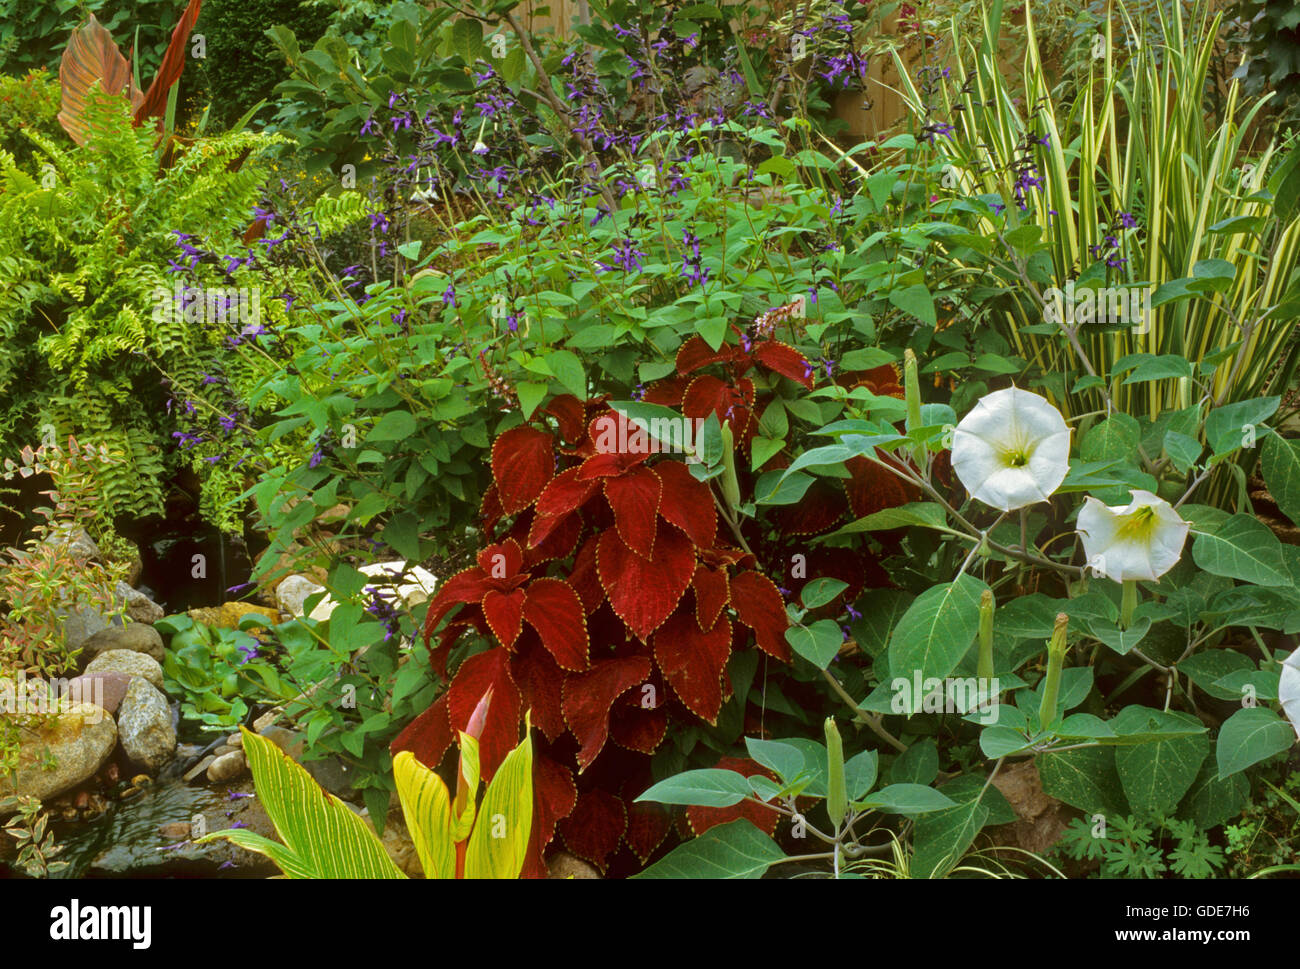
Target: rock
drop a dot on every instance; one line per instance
(144, 725)
(399, 845)
(565, 865)
(130, 662)
(226, 767)
(77, 540)
(235, 740)
(417, 587)
(198, 768)
(105, 689)
(139, 607)
(228, 614)
(288, 741)
(80, 623)
(175, 831)
(138, 637)
(1042, 818)
(292, 593)
(58, 756)
(223, 749)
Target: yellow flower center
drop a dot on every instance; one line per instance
(1138, 526)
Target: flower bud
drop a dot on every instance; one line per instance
(1056, 650)
(730, 484)
(985, 669)
(912, 396)
(837, 802)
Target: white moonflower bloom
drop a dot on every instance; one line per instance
(1141, 540)
(1012, 449)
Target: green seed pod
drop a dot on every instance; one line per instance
(1055, 661)
(912, 396)
(985, 669)
(730, 484)
(837, 802)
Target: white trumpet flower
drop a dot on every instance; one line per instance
(1288, 689)
(1141, 540)
(1012, 449)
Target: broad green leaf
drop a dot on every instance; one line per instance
(1213, 800)
(860, 774)
(1249, 736)
(936, 631)
(907, 799)
(818, 592)
(427, 807)
(396, 425)
(786, 761)
(1159, 368)
(881, 611)
(733, 850)
(942, 837)
(998, 741)
(1234, 426)
(924, 513)
(1115, 438)
(818, 643)
(1280, 460)
(1155, 776)
(919, 764)
(1084, 778)
(709, 787)
(326, 838)
(1243, 548)
(915, 301)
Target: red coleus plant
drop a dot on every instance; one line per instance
(614, 599)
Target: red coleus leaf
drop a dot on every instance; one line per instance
(490, 512)
(594, 828)
(566, 493)
(637, 728)
(873, 488)
(693, 661)
(571, 415)
(760, 815)
(473, 679)
(589, 696)
(523, 461)
(882, 381)
(427, 736)
(561, 538)
(687, 503)
(541, 682)
(712, 593)
(785, 360)
(554, 797)
(647, 826)
(644, 591)
(584, 578)
(667, 392)
(555, 611)
(708, 395)
(504, 612)
(696, 353)
(470, 585)
(634, 499)
(821, 509)
(501, 563)
(759, 606)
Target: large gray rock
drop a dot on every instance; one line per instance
(80, 623)
(293, 592)
(136, 636)
(144, 726)
(128, 661)
(77, 541)
(226, 767)
(139, 607)
(58, 756)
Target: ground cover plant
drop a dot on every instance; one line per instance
(792, 495)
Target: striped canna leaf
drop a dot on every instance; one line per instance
(427, 807)
(91, 58)
(322, 837)
(499, 841)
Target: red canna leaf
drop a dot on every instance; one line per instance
(427, 736)
(687, 503)
(759, 606)
(694, 661)
(554, 797)
(785, 360)
(761, 816)
(695, 353)
(565, 493)
(634, 499)
(504, 613)
(595, 827)
(478, 673)
(644, 592)
(91, 56)
(523, 461)
(712, 593)
(588, 697)
(173, 63)
(540, 681)
(555, 611)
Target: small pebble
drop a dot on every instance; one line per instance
(226, 767)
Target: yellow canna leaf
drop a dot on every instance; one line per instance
(499, 841)
(427, 806)
(466, 788)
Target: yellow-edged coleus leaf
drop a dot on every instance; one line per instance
(499, 841)
(466, 788)
(321, 832)
(427, 806)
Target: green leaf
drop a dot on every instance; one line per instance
(774, 488)
(1280, 460)
(927, 514)
(907, 799)
(915, 301)
(1182, 450)
(919, 764)
(1234, 425)
(1155, 776)
(530, 395)
(1250, 735)
(396, 425)
(710, 787)
(936, 631)
(1162, 367)
(818, 643)
(1084, 778)
(942, 837)
(733, 850)
(1242, 548)
(881, 611)
(1213, 800)
(818, 592)
(786, 761)
(1115, 438)
(568, 371)
(860, 774)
